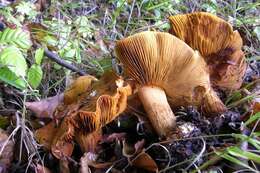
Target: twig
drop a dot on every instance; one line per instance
(63, 63)
(129, 18)
(243, 146)
(199, 156)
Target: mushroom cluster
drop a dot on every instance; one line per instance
(166, 71)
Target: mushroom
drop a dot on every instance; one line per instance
(86, 109)
(161, 64)
(215, 39)
(102, 103)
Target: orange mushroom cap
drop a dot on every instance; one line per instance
(215, 39)
(104, 100)
(163, 60)
(160, 64)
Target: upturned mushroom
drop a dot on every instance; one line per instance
(104, 100)
(215, 39)
(86, 109)
(163, 65)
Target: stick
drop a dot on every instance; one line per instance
(63, 63)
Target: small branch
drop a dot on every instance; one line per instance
(63, 63)
(129, 18)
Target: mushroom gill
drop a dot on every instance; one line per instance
(161, 64)
(215, 39)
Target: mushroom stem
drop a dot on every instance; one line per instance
(158, 109)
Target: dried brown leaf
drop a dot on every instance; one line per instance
(145, 161)
(51, 138)
(7, 153)
(89, 159)
(41, 5)
(132, 150)
(114, 136)
(45, 135)
(62, 149)
(42, 169)
(64, 166)
(45, 107)
(256, 107)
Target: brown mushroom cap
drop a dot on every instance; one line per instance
(161, 60)
(215, 39)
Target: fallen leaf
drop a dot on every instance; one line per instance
(3, 168)
(45, 135)
(89, 159)
(128, 150)
(100, 49)
(41, 5)
(139, 145)
(64, 166)
(132, 150)
(62, 149)
(62, 145)
(40, 35)
(84, 168)
(45, 108)
(42, 169)
(51, 137)
(145, 161)
(6, 156)
(256, 107)
(114, 136)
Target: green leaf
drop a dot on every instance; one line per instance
(7, 13)
(50, 40)
(39, 55)
(235, 151)
(3, 122)
(256, 134)
(16, 37)
(249, 139)
(234, 97)
(26, 9)
(233, 159)
(70, 53)
(12, 58)
(10, 78)
(252, 119)
(35, 75)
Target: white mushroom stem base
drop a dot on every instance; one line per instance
(158, 109)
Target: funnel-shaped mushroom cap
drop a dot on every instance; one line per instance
(100, 104)
(88, 105)
(108, 98)
(163, 60)
(215, 39)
